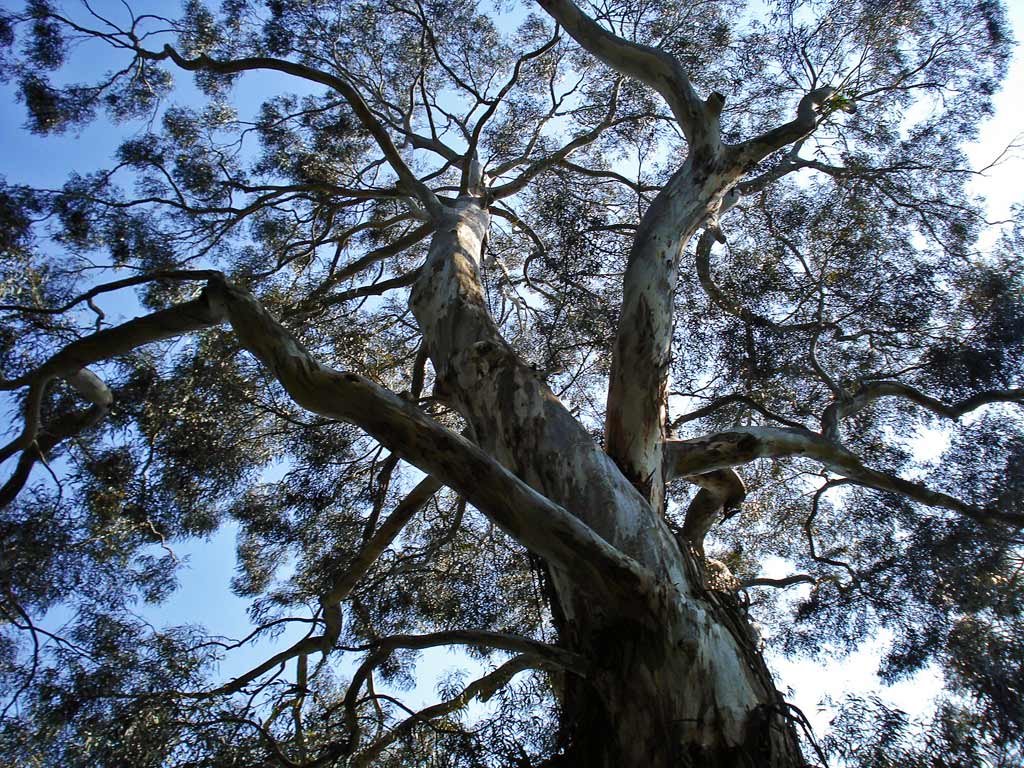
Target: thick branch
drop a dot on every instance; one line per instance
(788, 581)
(516, 419)
(720, 490)
(536, 522)
(744, 444)
(654, 68)
(752, 151)
(637, 388)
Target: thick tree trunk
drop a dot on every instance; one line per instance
(692, 690)
(675, 678)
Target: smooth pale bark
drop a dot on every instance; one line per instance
(741, 445)
(674, 676)
(168, 323)
(721, 490)
(635, 418)
(512, 413)
(637, 388)
(403, 428)
(671, 679)
(89, 386)
(651, 66)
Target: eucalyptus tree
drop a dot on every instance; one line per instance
(477, 328)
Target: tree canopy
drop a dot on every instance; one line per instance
(479, 315)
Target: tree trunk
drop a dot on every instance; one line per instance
(675, 676)
(690, 689)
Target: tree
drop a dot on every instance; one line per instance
(747, 226)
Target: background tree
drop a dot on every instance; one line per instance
(576, 266)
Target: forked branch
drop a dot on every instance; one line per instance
(870, 391)
(195, 315)
(482, 688)
(535, 521)
(369, 121)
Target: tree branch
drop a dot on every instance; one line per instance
(752, 151)
(330, 602)
(870, 391)
(310, 644)
(416, 499)
(116, 285)
(482, 688)
(721, 402)
(393, 248)
(703, 263)
(90, 386)
(195, 315)
(808, 527)
(788, 581)
(557, 157)
(652, 67)
(531, 650)
(744, 444)
(355, 100)
(720, 490)
(474, 140)
(540, 525)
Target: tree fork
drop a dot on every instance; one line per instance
(676, 681)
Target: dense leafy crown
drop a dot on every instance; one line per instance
(845, 294)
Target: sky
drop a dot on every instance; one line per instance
(203, 596)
